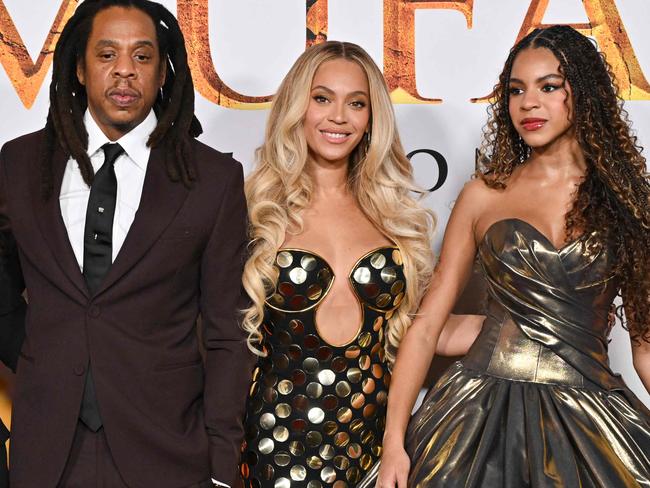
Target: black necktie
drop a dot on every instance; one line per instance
(98, 256)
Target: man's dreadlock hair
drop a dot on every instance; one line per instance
(174, 106)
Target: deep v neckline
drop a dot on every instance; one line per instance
(558, 250)
(285, 254)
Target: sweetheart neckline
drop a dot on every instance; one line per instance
(354, 266)
(326, 292)
(558, 250)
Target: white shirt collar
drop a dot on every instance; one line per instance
(133, 142)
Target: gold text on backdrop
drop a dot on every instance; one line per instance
(605, 25)
(27, 76)
(399, 44)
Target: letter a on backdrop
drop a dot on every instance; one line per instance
(607, 28)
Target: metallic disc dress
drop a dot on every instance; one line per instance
(316, 411)
(534, 403)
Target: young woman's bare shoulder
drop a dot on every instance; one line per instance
(474, 199)
(476, 192)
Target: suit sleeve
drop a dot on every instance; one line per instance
(228, 363)
(12, 285)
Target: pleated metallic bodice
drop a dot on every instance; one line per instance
(316, 411)
(547, 308)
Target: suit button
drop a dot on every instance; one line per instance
(79, 369)
(94, 311)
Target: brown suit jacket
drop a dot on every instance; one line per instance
(171, 418)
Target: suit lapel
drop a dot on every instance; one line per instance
(51, 225)
(160, 202)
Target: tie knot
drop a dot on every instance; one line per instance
(111, 152)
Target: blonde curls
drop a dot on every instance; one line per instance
(381, 179)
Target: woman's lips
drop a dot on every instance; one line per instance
(533, 124)
(335, 137)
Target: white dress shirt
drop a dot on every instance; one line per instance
(130, 170)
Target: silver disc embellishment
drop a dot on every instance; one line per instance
(362, 275)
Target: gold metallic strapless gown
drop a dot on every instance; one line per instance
(534, 403)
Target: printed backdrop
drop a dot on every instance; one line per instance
(440, 59)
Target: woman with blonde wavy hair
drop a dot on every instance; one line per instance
(339, 259)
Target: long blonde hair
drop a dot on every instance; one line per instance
(381, 179)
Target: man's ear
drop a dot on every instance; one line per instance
(81, 72)
(163, 72)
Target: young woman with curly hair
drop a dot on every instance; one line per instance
(339, 259)
(560, 218)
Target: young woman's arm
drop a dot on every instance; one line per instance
(641, 361)
(640, 350)
(458, 334)
(420, 342)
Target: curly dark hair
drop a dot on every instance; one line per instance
(613, 199)
(174, 105)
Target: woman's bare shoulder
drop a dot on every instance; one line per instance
(476, 192)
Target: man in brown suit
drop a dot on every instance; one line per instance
(127, 229)
(12, 323)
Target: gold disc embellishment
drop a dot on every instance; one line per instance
(316, 415)
(281, 433)
(266, 445)
(298, 276)
(267, 421)
(308, 263)
(362, 275)
(282, 458)
(327, 474)
(284, 259)
(341, 462)
(282, 483)
(298, 472)
(388, 275)
(314, 462)
(378, 260)
(326, 377)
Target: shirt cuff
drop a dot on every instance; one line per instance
(220, 484)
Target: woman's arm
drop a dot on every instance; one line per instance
(641, 361)
(420, 342)
(458, 334)
(640, 348)
(466, 319)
